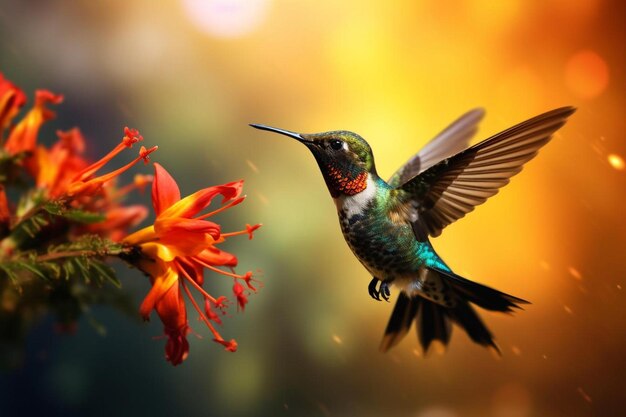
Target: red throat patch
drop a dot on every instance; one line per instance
(341, 182)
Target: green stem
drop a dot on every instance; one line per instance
(76, 253)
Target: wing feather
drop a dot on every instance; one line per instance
(450, 189)
(450, 141)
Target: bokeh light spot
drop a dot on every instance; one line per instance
(226, 18)
(616, 161)
(252, 166)
(437, 412)
(575, 273)
(512, 400)
(586, 74)
(584, 395)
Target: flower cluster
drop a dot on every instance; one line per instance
(63, 217)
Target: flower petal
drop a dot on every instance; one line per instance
(176, 348)
(55, 168)
(23, 137)
(165, 191)
(164, 277)
(118, 220)
(198, 201)
(181, 224)
(216, 257)
(171, 309)
(183, 244)
(11, 100)
(141, 237)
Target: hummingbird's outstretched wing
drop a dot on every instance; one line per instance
(453, 187)
(450, 141)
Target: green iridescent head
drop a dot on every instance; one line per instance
(341, 149)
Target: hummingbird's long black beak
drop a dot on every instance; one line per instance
(289, 133)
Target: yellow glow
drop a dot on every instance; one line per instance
(616, 161)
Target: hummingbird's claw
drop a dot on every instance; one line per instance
(371, 288)
(384, 290)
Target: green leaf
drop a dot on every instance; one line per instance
(54, 207)
(55, 270)
(107, 273)
(9, 273)
(81, 216)
(33, 269)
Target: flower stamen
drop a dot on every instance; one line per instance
(206, 321)
(227, 206)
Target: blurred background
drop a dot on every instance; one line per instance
(191, 74)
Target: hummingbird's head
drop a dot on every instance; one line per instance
(344, 158)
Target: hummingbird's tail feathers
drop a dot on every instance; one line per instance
(400, 321)
(465, 316)
(433, 323)
(481, 295)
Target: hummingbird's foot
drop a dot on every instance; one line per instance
(371, 288)
(382, 291)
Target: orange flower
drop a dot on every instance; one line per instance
(62, 173)
(11, 100)
(23, 137)
(176, 249)
(55, 168)
(118, 219)
(84, 182)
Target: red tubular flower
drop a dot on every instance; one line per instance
(175, 251)
(118, 219)
(62, 172)
(242, 298)
(23, 137)
(11, 100)
(55, 168)
(85, 183)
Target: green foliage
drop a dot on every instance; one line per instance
(83, 258)
(11, 167)
(58, 208)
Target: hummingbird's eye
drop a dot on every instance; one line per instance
(336, 144)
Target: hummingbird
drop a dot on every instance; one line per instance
(388, 224)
